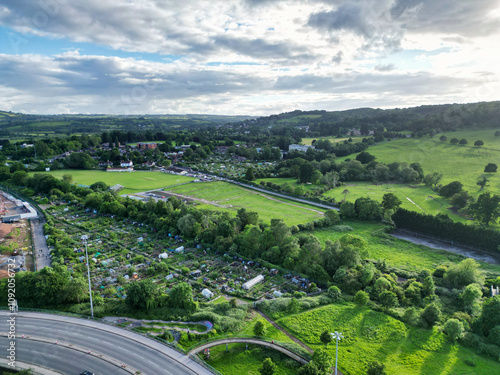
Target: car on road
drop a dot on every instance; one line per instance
(87, 373)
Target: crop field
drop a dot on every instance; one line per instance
(228, 197)
(398, 253)
(373, 336)
(133, 182)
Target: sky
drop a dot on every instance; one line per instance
(245, 57)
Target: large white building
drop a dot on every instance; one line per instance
(302, 148)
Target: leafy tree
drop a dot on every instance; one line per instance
(376, 368)
(306, 172)
(367, 209)
(268, 367)
(463, 141)
(325, 337)
(471, 298)
(249, 175)
(323, 359)
(482, 183)
(428, 287)
(443, 138)
(334, 292)
(490, 315)
(390, 201)
(365, 157)
(460, 200)
(388, 299)
(310, 369)
(497, 133)
(432, 314)
(330, 179)
(486, 209)
(464, 273)
(143, 295)
(478, 143)
(347, 210)
(454, 141)
(451, 189)
(490, 168)
(67, 178)
(333, 217)
(293, 306)
(259, 328)
(432, 179)
(345, 192)
(361, 298)
(181, 296)
(454, 328)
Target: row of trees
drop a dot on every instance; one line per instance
(442, 226)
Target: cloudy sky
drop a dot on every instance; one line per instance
(253, 57)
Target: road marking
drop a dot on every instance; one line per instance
(153, 363)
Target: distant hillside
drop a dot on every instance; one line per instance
(423, 119)
(16, 125)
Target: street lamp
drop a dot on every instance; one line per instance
(337, 336)
(84, 239)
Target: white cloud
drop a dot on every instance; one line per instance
(236, 55)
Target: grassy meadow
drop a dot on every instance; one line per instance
(399, 253)
(133, 182)
(373, 336)
(224, 196)
(464, 163)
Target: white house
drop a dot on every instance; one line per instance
(126, 164)
(163, 256)
(207, 293)
(180, 249)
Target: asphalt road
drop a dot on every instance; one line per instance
(64, 360)
(133, 350)
(41, 249)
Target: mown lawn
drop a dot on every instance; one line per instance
(232, 198)
(133, 182)
(373, 336)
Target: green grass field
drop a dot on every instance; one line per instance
(133, 182)
(373, 336)
(419, 198)
(398, 253)
(281, 181)
(228, 197)
(239, 361)
(456, 163)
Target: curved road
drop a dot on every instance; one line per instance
(252, 341)
(134, 350)
(59, 358)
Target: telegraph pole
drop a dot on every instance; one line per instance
(337, 336)
(84, 239)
